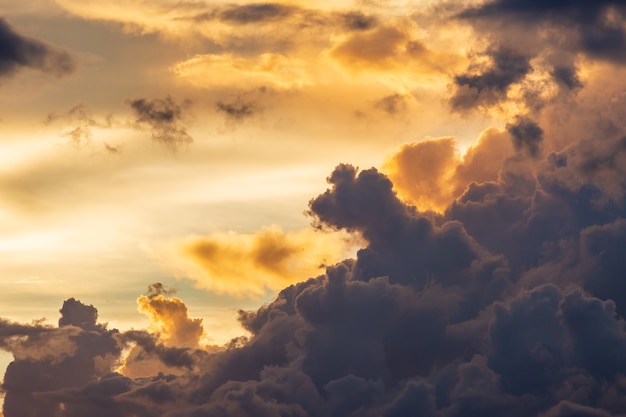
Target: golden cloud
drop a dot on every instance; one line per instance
(431, 174)
(251, 264)
(169, 318)
(396, 53)
(269, 69)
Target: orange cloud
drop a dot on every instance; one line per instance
(251, 264)
(172, 328)
(268, 69)
(397, 53)
(431, 174)
(170, 319)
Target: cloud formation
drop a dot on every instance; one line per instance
(507, 301)
(78, 123)
(488, 284)
(431, 174)
(18, 51)
(536, 45)
(165, 118)
(250, 264)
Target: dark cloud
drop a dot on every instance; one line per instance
(489, 86)
(18, 51)
(55, 358)
(75, 313)
(527, 136)
(165, 118)
(254, 13)
(553, 35)
(509, 301)
(358, 21)
(567, 75)
(238, 110)
(159, 289)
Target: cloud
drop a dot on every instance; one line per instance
(165, 118)
(251, 264)
(18, 51)
(78, 123)
(397, 49)
(487, 283)
(490, 85)
(267, 70)
(170, 320)
(392, 104)
(596, 26)
(159, 289)
(430, 174)
(507, 302)
(527, 136)
(75, 313)
(254, 13)
(43, 361)
(534, 47)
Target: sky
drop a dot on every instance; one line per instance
(322, 208)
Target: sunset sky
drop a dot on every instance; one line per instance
(451, 173)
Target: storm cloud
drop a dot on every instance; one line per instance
(536, 37)
(508, 302)
(18, 51)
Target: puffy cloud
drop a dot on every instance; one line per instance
(251, 264)
(18, 51)
(490, 84)
(527, 136)
(93, 352)
(170, 320)
(507, 302)
(396, 53)
(430, 174)
(535, 48)
(597, 26)
(422, 172)
(75, 313)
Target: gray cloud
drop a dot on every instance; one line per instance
(254, 13)
(18, 51)
(237, 110)
(488, 86)
(559, 33)
(165, 118)
(527, 136)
